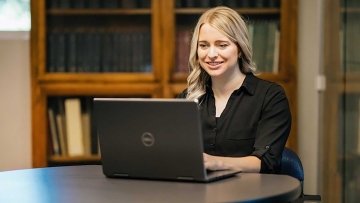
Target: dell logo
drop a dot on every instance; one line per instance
(147, 139)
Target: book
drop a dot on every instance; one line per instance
(144, 3)
(94, 139)
(64, 3)
(51, 52)
(107, 51)
(179, 4)
(270, 45)
(61, 51)
(80, 50)
(259, 44)
(259, 3)
(93, 3)
(85, 120)
(52, 4)
(147, 52)
(74, 129)
(96, 52)
(60, 123)
(274, 3)
(275, 65)
(251, 32)
(53, 132)
(71, 52)
(204, 3)
(217, 2)
(78, 3)
(244, 3)
(110, 3)
(128, 4)
(190, 3)
(230, 3)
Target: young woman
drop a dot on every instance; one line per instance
(246, 120)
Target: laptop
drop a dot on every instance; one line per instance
(152, 139)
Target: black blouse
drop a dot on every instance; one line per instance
(256, 121)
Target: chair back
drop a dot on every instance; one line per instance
(291, 165)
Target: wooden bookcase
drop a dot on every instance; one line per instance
(341, 152)
(163, 20)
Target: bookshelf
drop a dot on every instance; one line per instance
(342, 68)
(78, 51)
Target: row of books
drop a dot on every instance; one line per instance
(147, 3)
(265, 39)
(105, 51)
(98, 51)
(98, 3)
(230, 3)
(71, 127)
(264, 36)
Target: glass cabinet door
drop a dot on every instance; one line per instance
(350, 131)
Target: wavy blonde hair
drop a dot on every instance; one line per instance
(229, 23)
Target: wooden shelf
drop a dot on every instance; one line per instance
(161, 22)
(181, 77)
(100, 11)
(243, 11)
(78, 160)
(97, 77)
(87, 89)
(67, 159)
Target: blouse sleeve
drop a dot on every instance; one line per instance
(273, 129)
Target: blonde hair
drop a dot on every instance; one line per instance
(230, 24)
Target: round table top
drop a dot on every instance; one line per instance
(88, 184)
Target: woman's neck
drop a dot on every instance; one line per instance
(223, 87)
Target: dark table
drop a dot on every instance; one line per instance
(72, 184)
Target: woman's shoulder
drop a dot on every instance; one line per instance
(267, 84)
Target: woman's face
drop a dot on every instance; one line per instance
(217, 54)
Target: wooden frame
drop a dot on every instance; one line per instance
(159, 83)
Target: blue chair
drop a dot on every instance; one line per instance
(291, 165)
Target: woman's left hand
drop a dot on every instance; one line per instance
(214, 163)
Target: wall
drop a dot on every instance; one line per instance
(309, 90)
(15, 130)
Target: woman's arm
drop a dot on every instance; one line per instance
(243, 164)
(272, 132)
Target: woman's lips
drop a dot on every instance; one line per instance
(214, 64)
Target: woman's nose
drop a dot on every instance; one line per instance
(212, 52)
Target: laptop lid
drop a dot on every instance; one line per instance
(150, 138)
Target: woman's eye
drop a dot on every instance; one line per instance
(202, 46)
(223, 46)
